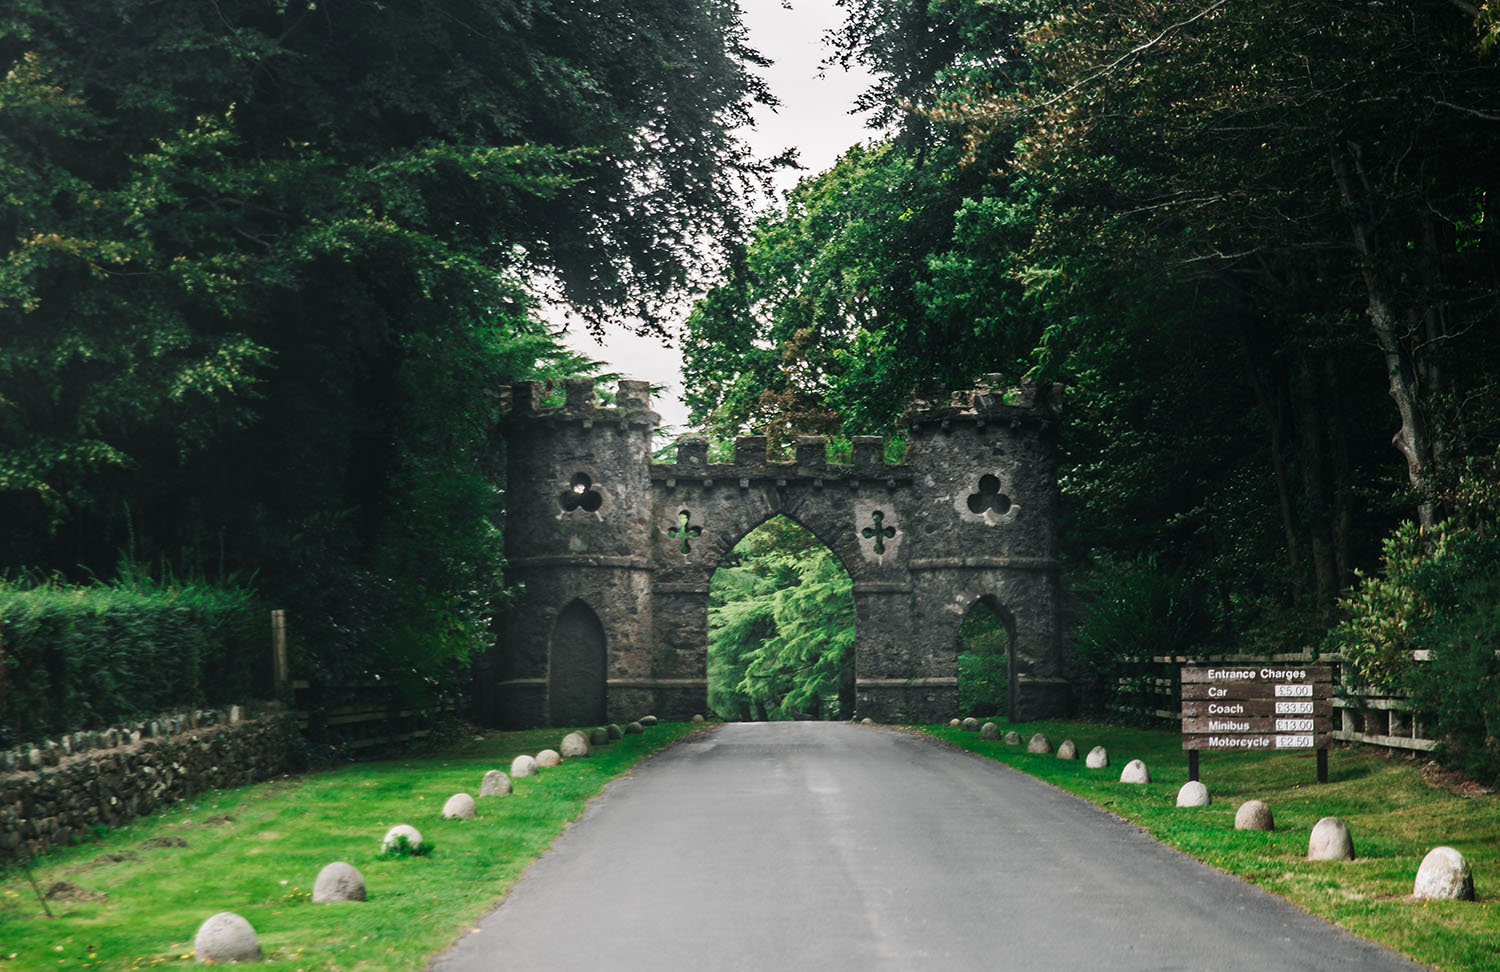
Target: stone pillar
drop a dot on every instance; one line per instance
(679, 681)
(894, 683)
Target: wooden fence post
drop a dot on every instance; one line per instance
(280, 676)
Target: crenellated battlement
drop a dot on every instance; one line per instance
(533, 401)
(991, 400)
(751, 463)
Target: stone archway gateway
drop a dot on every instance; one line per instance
(592, 524)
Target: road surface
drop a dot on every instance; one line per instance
(825, 846)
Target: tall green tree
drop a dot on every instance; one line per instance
(1254, 240)
(1317, 172)
(892, 270)
(827, 321)
(781, 628)
(265, 263)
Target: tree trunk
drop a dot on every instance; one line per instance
(1343, 488)
(1272, 408)
(1414, 439)
(1315, 500)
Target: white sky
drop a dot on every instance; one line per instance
(813, 117)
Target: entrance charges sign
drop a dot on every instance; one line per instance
(1257, 707)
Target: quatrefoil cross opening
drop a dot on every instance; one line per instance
(580, 495)
(989, 497)
(879, 533)
(685, 531)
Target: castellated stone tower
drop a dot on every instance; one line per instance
(986, 529)
(577, 542)
(614, 554)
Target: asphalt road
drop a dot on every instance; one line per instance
(835, 847)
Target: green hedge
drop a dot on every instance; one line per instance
(86, 657)
(1457, 692)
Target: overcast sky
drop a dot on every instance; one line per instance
(813, 117)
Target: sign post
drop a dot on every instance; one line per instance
(1251, 707)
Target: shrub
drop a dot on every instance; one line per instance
(1457, 691)
(1381, 615)
(983, 664)
(983, 684)
(80, 657)
(1428, 579)
(402, 847)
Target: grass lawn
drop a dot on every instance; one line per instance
(1394, 813)
(256, 850)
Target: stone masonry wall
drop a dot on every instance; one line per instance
(63, 803)
(596, 528)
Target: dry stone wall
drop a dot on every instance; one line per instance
(69, 794)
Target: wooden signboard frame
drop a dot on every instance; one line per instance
(1239, 707)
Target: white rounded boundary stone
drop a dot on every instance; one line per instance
(573, 745)
(1330, 841)
(1193, 794)
(548, 758)
(1098, 758)
(226, 937)
(1254, 815)
(1012, 738)
(647, 721)
(1444, 876)
(460, 806)
(495, 783)
(696, 718)
(634, 728)
(339, 881)
(1135, 772)
(953, 723)
(1040, 745)
(970, 724)
(867, 721)
(522, 766)
(1067, 749)
(989, 731)
(413, 837)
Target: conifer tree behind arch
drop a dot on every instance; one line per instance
(781, 629)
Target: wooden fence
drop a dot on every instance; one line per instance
(1150, 690)
(366, 715)
(352, 717)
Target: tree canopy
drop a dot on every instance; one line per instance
(266, 263)
(781, 629)
(1254, 240)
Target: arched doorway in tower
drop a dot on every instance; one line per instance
(576, 668)
(984, 661)
(781, 629)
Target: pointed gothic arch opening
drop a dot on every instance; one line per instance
(781, 639)
(577, 660)
(986, 664)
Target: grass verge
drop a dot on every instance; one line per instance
(1395, 815)
(141, 891)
